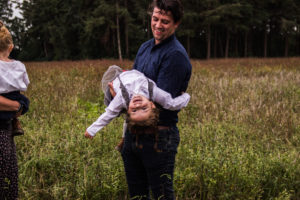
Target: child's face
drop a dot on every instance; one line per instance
(140, 108)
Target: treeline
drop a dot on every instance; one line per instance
(93, 29)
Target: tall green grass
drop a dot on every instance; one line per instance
(240, 134)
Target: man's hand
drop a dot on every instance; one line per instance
(111, 89)
(87, 135)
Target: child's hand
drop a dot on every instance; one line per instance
(111, 89)
(87, 135)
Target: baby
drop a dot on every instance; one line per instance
(134, 92)
(13, 77)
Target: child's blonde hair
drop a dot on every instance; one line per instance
(5, 37)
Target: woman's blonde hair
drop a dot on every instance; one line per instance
(5, 37)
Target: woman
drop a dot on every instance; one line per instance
(9, 110)
(8, 158)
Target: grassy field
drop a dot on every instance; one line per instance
(240, 134)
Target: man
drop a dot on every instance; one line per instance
(164, 60)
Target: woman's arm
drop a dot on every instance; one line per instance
(8, 105)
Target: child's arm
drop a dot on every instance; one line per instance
(166, 101)
(111, 112)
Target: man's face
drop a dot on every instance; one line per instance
(162, 24)
(140, 108)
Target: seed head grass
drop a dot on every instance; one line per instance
(240, 134)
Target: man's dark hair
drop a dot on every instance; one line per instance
(174, 6)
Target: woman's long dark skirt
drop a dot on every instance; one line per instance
(8, 165)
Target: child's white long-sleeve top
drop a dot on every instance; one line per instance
(135, 83)
(13, 76)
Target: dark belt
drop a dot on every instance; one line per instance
(161, 128)
(151, 130)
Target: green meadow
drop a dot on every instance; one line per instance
(240, 134)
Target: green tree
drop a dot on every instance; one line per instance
(39, 18)
(6, 11)
(209, 19)
(99, 28)
(191, 22)
(55, 27)
(89, 29)
(284, 18)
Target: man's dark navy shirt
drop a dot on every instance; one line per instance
(168, 65)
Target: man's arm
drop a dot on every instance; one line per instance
(8, 105)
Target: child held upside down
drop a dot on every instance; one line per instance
(133, 91)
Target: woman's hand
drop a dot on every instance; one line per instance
(8, 105)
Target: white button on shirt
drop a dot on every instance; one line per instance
(136, 83)
(13, 76)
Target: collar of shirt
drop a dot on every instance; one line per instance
(162, 43)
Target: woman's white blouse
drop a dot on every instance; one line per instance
(13, 76)
(136, 83)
